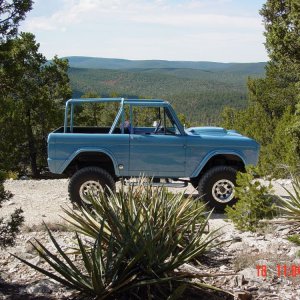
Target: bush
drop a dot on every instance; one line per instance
(132, 245)
(254, 202)
(9, 228)
(295, 238)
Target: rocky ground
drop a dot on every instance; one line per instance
(262, 265)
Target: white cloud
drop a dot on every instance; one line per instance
(192, 19)
(71, 13)
(160, 12)
(185, 29)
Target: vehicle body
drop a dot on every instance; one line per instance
(159, 149)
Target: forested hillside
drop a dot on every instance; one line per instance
(200, 94)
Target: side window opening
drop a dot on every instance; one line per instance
(153, 120)
(170, 126)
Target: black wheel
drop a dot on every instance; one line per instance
(216, 187)
(89, 180)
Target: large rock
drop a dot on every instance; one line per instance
(41, 287)
(250, 274)
(236, 246)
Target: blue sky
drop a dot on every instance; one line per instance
(198, 30)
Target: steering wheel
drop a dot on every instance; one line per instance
(157, 128)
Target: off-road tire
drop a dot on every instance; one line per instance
(89, 174)
(209, 179)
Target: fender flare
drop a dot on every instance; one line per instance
(96, 150)
(211, 155)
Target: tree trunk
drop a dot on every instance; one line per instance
(31, 147)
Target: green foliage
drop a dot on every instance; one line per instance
(254, 202)
(199, 95)
(295, 238)
(12, 11)
(281, 20)
(103, 114)
(146, 203)
(11, 175)
(4, 195)
(32, 102)
(293, 129)
(134, 244)
(290, 207)
(279, 157)
(272, 117)
(96, 114)
(9, 227)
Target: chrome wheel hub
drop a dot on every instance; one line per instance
(89, 189)
(223, 191)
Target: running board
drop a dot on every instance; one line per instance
(157, 184)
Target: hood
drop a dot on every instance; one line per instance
(210, 131)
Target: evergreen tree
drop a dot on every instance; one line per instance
(33, 99)
(11, 13)
(272, 116)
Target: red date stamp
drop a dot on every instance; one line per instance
(282, 270)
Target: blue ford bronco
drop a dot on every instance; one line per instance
(146, 138)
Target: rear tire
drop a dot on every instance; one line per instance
(89, 180)
(216, 187)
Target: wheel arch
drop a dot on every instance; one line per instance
(91, 157)
(218, 159)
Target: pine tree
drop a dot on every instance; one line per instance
(11, 13)
(33, 97)
(271, 117)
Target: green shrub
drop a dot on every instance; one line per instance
(4, 195)
(12, 175)
(295, 238)
(254, 202)
(132, 245)
(9, 227)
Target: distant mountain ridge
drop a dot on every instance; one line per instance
(126, 64)
(199, 90)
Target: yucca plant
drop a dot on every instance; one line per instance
(290, 207)
(137, 241)
(146, 215)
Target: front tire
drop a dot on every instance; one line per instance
(89, 180)
(216, 187)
